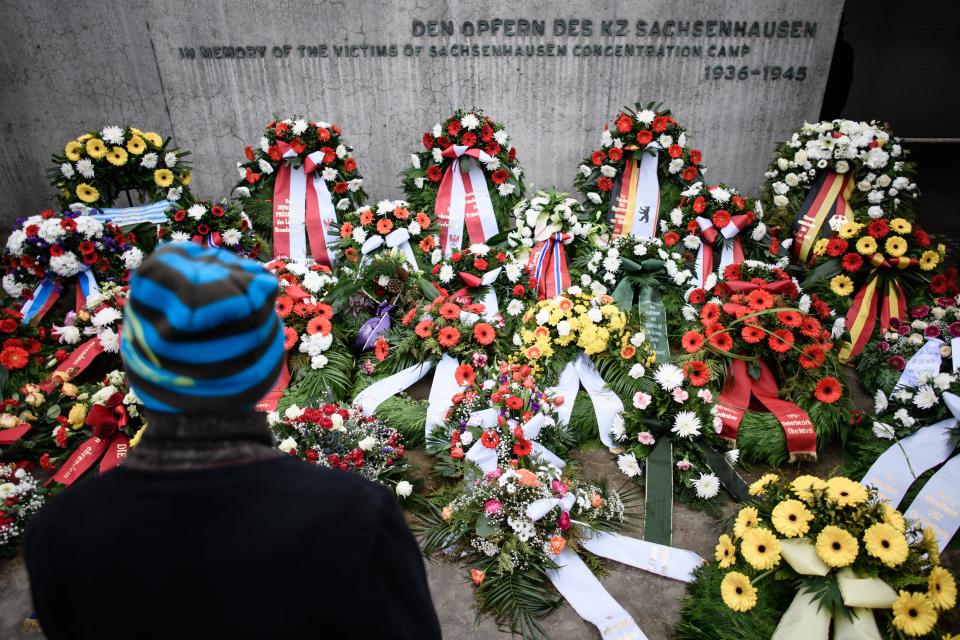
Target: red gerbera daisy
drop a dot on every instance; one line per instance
(449, 311)
(752, 334)
(323, 310)
(759, 300)
(284, 306)
(319, 325)
(465, 375)
(836, 246)
(781, 340)
(692, 341)
(721, 340)
(878, 228)
(381, 349)
(14, 358)
(424, 328)
(790, 318)
(289, 338)
(812, 357)
(522, 448)
(810, 327)
(500, 176)
(490, 439)
(448, 336)
(671, 238)
(710, 313)
(851, 262)
(698, 296)
(828, 390)
(484, 333)
(697, 372)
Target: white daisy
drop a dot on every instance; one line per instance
(707, 486)
(628, 465)
(668, 376)
(686, 424)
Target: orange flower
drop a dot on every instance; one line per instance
(541, 331)
(596, 501)
(449, 311)
(565, 304)
(828, 390)
(381, 349)
(366, 217)
(284, 306)
(532, 353)
(351, 254)
(628, 352)
(721, 340)
(810, 327)
(427, 244)
(318, 325)
(789, 318)
(290, 338)
(710, 313)
(483, 333)
(691, 341)
(698, 372)
(423, 220)
(752, 334)
(424, 328)
(324, 310)
(464, 375)
(812, 357)
(408, 316)
(448, 336)
(478, 576)
(384, 226)
(759, 300)
(528, 478)
(490, 439)
(346, 230)
(401, 213)
(781, 340)
(557, 545)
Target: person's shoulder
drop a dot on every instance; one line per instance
(322, 481)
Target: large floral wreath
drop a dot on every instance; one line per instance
(213, 224)
(48, 252)
(467, 154)
(837, 171)
(638, 134)
(97, 167)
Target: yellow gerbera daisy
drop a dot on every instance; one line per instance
(154, 139)
(836, 546)
(895, 246)
(930, 545)
(867, 246)
(187, 179)
(760, 548)
(117, 156)
(726, 552)
(84, 137)
(893, 517)
(820, 246)
(136, 131)
(163, 177)
(737, 592)
(791, 518)
(96, 148)
(929, 260)
(913, 613)
(942, 589)
(758, 487)
(136, 145)
(885, 543)
(73, 150)
(747, 519)
(804, 486)
(87, 193)
(846, 492)
(849, 230)
(901, 226)
(841, 285)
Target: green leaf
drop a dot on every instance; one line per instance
(484, 527)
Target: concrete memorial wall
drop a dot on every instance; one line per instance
(211, 73)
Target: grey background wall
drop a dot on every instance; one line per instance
(67, 67)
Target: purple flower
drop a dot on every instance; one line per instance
(920, 311)
(932, 331)
(954, 329)
(897, 362)
(894, 323)
(904, 330)
(564, 521)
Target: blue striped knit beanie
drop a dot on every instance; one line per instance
(200, 331)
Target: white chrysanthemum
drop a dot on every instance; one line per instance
(505, 189)
(51, 231)
(342, 151)
(112, 135)
(943, 381)
(170, 159)
(195, 212)
(479, 249)
(264, 145)
(299, 126)
(106, 316)
(68, 334)
(645, 116)
(265, 167)
(85, 167)
(66, 265)
(15, 242)
(668, 376)
(925, 397)
(329, 174)
(446, 274)
(628, 465)
(66, 169)
(470, 122)
(179, 236)
(514, 308)
(501, 137)
(707, 486)
(608, 170)
(594, 197)
(174, 193)
(686, 424)
(879, 402)
(883, 431)
(132, 258)
(109, 340)
(903, 417)
(611, 263)
(231, 237)
(617, 427)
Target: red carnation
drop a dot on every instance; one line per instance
(518, 291)
(433, 173)
(644, 137)
(500, 176)
(8, 325)
(480, 264)
(921, 237)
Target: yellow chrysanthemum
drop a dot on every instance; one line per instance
(893, 517)
(154, 139)
(885, 543)
(758, 487)
(760, 548)
(849, 230)
(836, 547)
(791, 518)
(804, 486)
(942, 589)
(96, 148)
(747, 519)
(136, 145)
(187, 179)
(117, 156)
(895, 246)
(929, 260)
(841, 285)
(820, 246)
(901, 226)
(914, 614)
(73, 150)
(87, 193)
(726, 552)
(930, 545)
(737, 592)
(867, 246)
(846, 492)
(163, 177)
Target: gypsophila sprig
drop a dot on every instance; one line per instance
(21, 496)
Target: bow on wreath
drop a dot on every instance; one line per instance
(397, 239)
(463, 199)
(472, 282)
(731, 250)
(301, 201)
(826, 202)
(108, 444)
(548, 261)
(882, 290)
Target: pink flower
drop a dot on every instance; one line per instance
(717, 424)
(897, 362)
(684, 465)
(558, 487)
(493, 475)
(706, 395)
(641, 400)
(492, 506)
(680, 395)
(645, 437)
(564, 521)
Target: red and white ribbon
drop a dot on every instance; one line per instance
(302, 208)
(548, 262)
(731, 250)
(463, 200)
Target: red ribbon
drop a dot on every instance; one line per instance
(75, 363)
(445, 194)
(9, 436)
(735, 400)
(108, 444)
(270, 401)
(548, 263)
(282, 202)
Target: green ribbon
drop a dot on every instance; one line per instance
(658, 516)
(727, 475)
(649, 306)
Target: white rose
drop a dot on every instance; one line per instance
(289, 445)
(404, 489)
(367, 443)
